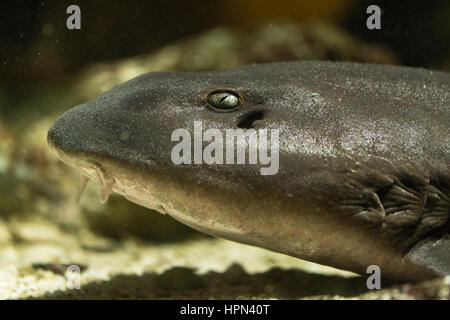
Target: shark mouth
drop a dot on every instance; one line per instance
(113, 177)
(93, 170)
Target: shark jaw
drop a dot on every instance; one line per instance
(93, 168)
(142, 187)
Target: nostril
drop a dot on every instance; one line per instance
(247, 121)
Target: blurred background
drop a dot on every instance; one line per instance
(45, 69)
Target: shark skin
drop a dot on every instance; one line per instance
(364, 159)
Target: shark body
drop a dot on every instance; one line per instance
(364, 159)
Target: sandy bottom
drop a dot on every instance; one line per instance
(35, 256)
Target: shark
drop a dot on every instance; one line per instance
(363, 151)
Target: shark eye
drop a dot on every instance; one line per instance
(223, 100)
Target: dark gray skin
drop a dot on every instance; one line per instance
(364, 175)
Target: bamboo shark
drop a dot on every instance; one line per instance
(364, 153)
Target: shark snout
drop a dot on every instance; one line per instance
(86, 129)
(70, 132)
(55, 137)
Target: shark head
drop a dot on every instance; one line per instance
(147, 139)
